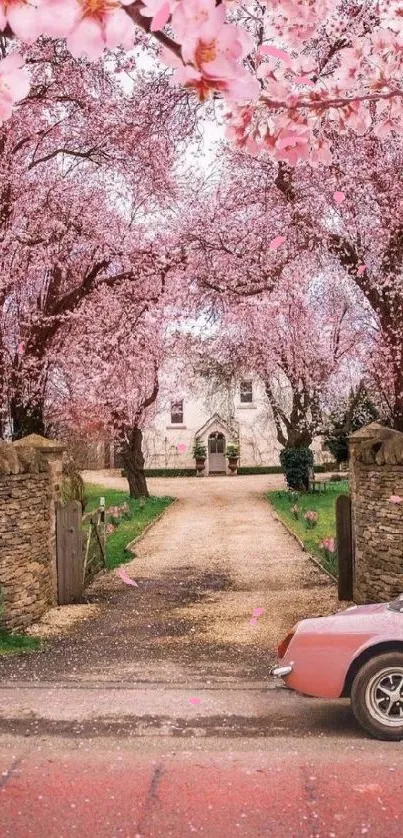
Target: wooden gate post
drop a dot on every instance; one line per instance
(70, 557)
(344, 547)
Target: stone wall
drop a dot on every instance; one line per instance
(30, 475)
(376, 469)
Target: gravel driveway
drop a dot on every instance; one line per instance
(217, 554)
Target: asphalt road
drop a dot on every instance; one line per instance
(151, 787)
(103, 760)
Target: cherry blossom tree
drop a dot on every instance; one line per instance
(265, 224)
(105, 370)
(306, 343)
(74, 204)
(294, 74)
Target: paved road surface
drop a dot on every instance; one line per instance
(148, 788)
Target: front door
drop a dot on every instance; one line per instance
(216, 454)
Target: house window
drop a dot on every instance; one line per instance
(177, 413)
(246, 392)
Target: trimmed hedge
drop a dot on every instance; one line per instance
(167, 472)
(278, 470)
(260, 470)
(191, 472)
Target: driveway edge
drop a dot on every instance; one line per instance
(302, 545)
(149, 526)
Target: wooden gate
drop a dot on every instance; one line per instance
(95, 546)
(345, 551)
(69, 551)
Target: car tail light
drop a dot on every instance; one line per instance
(283, 646)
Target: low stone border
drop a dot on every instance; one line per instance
(152, 523)
(302, 545)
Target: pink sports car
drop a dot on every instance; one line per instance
(357, 653)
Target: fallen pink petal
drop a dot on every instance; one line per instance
(276, 242)
(126, 578)
(395, 499)
(194, 700)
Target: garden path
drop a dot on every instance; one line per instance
(217, 554)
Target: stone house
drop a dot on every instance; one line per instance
(238, 411)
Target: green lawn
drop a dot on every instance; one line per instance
(12, 644)
(324, 504)
(141, 514)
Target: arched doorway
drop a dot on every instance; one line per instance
(216, 453)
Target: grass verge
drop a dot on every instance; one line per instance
(140, 514)
(14, 644)
(324, 504)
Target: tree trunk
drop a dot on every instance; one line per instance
(133, 460)
(297, 438)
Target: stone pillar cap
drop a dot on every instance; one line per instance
(46, 446)
(374, 431)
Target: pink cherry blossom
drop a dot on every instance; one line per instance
(21, 17)
(211, 60)
(57, 18)
(90, 25)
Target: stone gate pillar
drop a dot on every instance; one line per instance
(376, 475)
(52, 451)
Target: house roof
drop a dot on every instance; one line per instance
(216, 419)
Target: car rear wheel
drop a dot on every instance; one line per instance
(377, 696)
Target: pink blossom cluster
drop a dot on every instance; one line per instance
(212, 51)
(295, 71)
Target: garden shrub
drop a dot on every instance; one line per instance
(296, 464)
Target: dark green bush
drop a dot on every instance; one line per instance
(278, 470)
(296, 464)
(259, 470)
